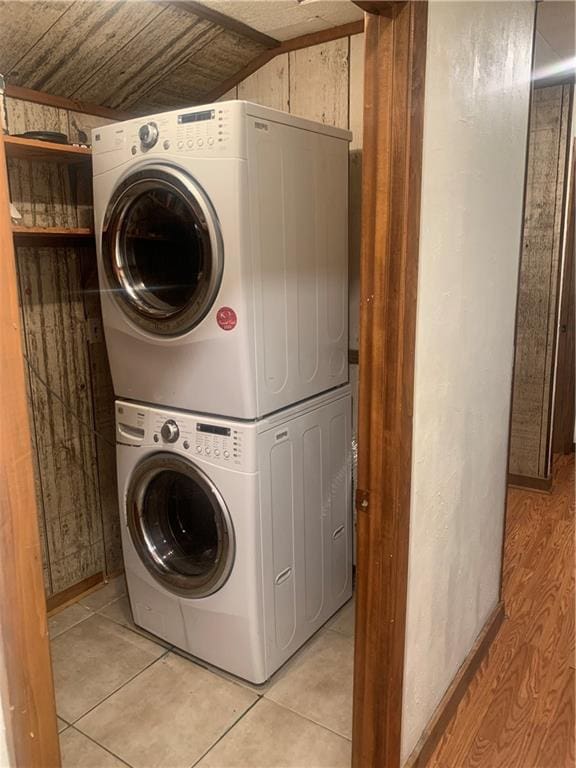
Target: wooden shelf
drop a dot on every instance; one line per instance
(34, 236)
(32, 149)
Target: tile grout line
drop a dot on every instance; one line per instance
(227, 731)
(88, 711)
(306, 717)
(86, 736)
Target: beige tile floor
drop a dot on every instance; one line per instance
(124, 698)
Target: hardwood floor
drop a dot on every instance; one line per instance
(519, 709)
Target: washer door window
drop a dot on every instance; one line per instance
(180, 526)
(162, 250)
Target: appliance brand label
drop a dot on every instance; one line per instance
(226, 318)
(281, 435)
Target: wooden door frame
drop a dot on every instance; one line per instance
(395, 61)
(26, 685)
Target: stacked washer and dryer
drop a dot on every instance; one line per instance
(222, 258)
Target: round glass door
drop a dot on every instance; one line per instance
(162, 250)
(180, 526)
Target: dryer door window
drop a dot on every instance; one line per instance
(162, 250)
(180, 526)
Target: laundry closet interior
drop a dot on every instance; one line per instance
(187, 258)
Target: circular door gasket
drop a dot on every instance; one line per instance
(162, 250)
(180, 525)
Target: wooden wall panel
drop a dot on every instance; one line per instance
(33, 18)
(145, 56)
(147, 59)
(564, 396)
(86, 35)
(537, 293)
(319, 82)
(55, 332)
(224, 54)
(76, 471)
(102, 392)
(269, 85)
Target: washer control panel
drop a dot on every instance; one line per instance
(218, 441)
(194, 132)
(210, 440)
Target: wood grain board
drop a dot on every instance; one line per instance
(149, 55)
(538, 286)
(26, 685)
(319, 82)
(269, 85)
(68, 377)
(148, 59)
(519, 709)
(215, 61)
(395, 62)
(32, 149)
(563, 432)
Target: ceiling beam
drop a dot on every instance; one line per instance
(295, 44)
(379, 7)
(323, 36)
(226, 22)
(62, 102)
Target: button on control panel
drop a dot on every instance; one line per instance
(214, 442)
(221, 443)
(205, 131)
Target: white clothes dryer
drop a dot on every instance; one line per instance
(237, 536)
(222, 243)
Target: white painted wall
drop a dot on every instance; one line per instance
(476, 117)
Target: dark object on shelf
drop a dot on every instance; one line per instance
(54, 136)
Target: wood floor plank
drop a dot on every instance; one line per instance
(519, 709)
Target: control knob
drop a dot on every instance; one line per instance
(148, 135)
(170, 432)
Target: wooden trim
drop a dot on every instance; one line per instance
(395, 60)
(378, 7)
(527, 483)
(323, 36)
(26, 685)
(446, 710)
(61, 102)
(72, 594)
(304, 41)
(34, 237)
(226, 22)
(33, 149)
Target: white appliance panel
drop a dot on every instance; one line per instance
(277, 186)
(279, 489)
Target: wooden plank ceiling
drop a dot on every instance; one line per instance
(134, 56)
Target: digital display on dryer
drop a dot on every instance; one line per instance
(212, 429)
(196, 117)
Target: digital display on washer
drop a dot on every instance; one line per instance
(197, 117)
(212, 429)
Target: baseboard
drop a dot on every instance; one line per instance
(446, 710)
(526, 483)
(70, 595)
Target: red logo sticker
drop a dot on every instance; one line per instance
(226, 318)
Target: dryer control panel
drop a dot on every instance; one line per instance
(210, 440)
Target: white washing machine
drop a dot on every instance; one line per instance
(237, 536)
(222, 242)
